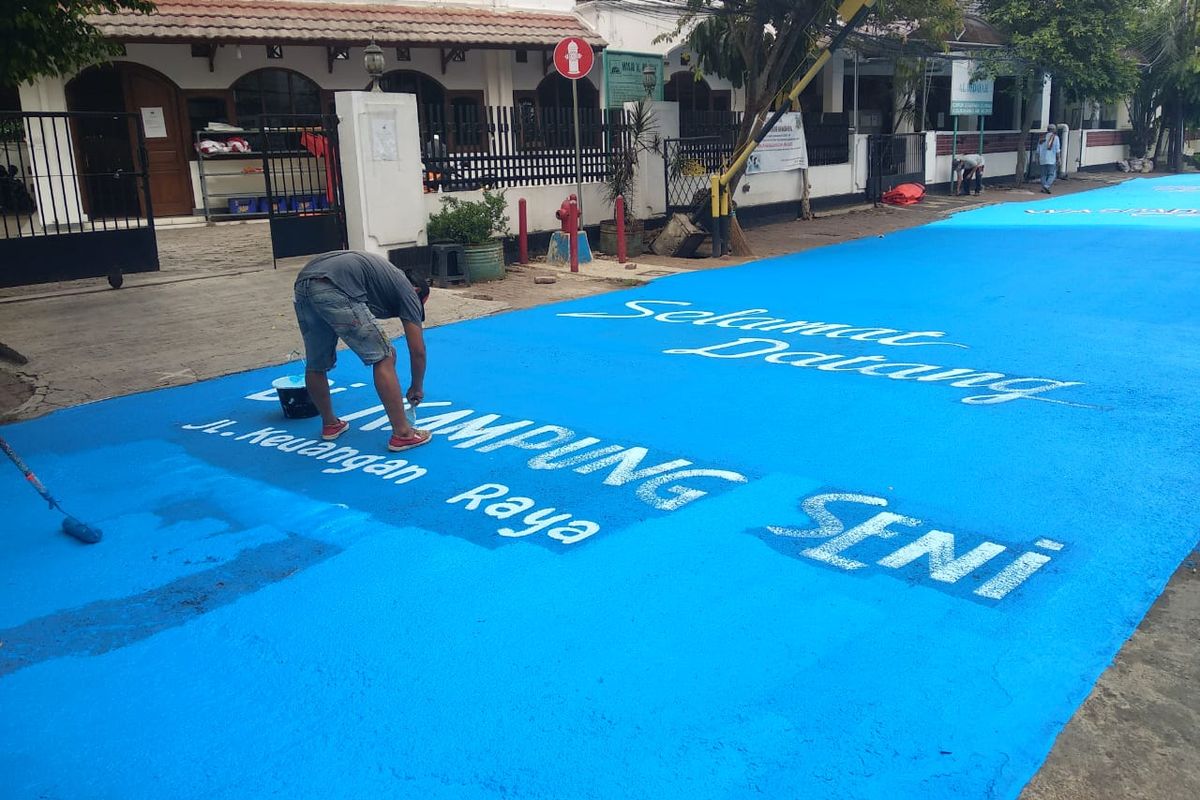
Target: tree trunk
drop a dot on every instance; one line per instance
(1177, 136)
(805, 197)
(749, 129)
(1026, 128)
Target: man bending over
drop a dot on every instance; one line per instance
(967, 166)
(340, 295)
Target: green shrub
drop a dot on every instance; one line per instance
(469, 221)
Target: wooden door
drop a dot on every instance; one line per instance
(166, 138)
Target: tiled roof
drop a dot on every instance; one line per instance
(978, 31)
(297, 21)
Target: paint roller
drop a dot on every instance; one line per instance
(71, 526)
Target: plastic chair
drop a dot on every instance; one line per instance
(448, 265)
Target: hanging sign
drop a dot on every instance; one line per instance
(573, 58)
(624, 76)
(783, 149)
(969, 97)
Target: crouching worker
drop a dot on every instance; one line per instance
(341, 295)
(966, 167)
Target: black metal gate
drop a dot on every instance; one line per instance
(74, 197)
(893, 159)
(303, 171)
(689, 166)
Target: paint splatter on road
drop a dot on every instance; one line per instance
(862, 522)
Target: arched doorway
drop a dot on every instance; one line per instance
(692, 93)
(456, 117)
(554, 92)
(274, 92)
(105, 146)
(544, 116)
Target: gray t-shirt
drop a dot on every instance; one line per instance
(369, 279)
(970, 160)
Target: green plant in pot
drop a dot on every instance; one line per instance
(639, 136)
(475, 224)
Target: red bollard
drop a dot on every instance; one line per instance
(573, 232)
(620, 217)
(523, 232)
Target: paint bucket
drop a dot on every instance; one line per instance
(293, 397)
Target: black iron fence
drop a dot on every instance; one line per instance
(469, 146)
(301, 164)
(689, 165)
(476, 147)
(74, 197)
(827, 136)
(72, 172)
(893, 159)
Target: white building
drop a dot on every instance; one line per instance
(232, 61)
(477, 67)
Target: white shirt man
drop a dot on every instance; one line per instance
(1048, 150)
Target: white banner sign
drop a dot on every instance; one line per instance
(783, 149)
(968, 96)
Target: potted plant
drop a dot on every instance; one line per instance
(475, 224)
(639, 136)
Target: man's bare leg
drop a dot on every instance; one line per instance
(317, 384)
(387, 386)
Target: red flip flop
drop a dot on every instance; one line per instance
(397, 443)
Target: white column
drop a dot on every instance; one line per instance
(52, 161)
(651, 196)
(498, 70)
(652, 192)
(833, 84)
(381, 170)
(1045, 115)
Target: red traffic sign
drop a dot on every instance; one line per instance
(573, 58)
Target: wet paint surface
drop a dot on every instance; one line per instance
(862, 522)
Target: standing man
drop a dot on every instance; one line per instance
(1048, 150)
(965, 167)
(340, 295)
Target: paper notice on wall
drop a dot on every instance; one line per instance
(783, 149)
(154, 123)
(383, 137)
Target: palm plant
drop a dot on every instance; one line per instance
(638, 135)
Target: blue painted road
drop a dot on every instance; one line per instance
(864, 522)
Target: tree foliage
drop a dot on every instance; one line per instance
(1082, 44)
(53, 37)
(1166, 37)
(762, 46)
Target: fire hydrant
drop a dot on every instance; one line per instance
(569, 245)
(567, 214)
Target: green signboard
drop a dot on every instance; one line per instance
(623, 77)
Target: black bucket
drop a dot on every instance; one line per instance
(294, 399)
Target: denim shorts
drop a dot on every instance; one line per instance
(325, 315)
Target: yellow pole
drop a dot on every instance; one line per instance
(846, 11)
(852, 12)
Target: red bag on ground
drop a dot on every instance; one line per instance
(906, 194)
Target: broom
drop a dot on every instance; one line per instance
(738, 244)
(70, 525)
